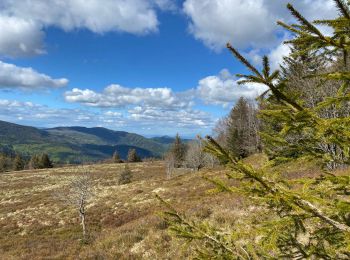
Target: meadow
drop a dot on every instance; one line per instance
(123, 221)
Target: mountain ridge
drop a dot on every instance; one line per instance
(77, 143)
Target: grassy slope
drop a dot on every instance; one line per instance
(123, 220)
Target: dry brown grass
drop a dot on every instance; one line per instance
(122, 220)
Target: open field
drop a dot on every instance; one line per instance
(123, 220)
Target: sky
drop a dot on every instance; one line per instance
(152, 67)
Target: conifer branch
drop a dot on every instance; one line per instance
(343, 8)
(243, 60)
(303, 21)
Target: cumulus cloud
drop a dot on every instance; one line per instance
(22, 23)
(249, 23)
(167, 5)
(181, 118)
(119, 96)
(216, 22)
(223, 89)
(143, 119)
(20, 37)
(30, 113)
(12, 76)
(276, 55)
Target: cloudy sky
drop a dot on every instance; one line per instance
(154, 67)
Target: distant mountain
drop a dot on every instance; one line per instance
(76, 144)
(164, 139)
(167, 140)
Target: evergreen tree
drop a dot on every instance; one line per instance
(4, 163)
(34, 162)
(242, 129)
(116, 158)
(40, 162)
(18, 163)
(126, 176)
(45, 161)
(132, 156)
(297, 219)
(178, 150)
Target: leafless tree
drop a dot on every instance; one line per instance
(196, 158)
(220, 131)
(210, 160)
(169, 164)
(78, 194)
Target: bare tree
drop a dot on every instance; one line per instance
(210, 160)
(79, 193)
(170, 164)
(195, 156)
(220, 131)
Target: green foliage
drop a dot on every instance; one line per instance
(18, 163)
(287, 219)
(126, 176)
(75, 144)
(45, 161)
(178, 150)
(5, 162)
(242, 129)
(116, 158)
(40, 162)
(132, 156)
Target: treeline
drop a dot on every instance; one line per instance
(12, 161)
(17, 162)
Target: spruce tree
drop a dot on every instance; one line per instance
(132, 156)
(178, 150)
(34, 162)
(4, 163)
(306, 218)
(241, 131)
(116, 158)
(45, 161)
(18, 163)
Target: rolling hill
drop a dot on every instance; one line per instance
(76, 144)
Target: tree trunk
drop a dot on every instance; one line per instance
(82, 217)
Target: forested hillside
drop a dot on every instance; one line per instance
(75, 144)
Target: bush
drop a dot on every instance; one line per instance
(125, 176)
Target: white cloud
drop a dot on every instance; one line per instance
(249, 23)
(141, 119)
(224, 90)
(166, 4)
(119, 96)
(30, 114)
(147, 107)
(276, 55)
(188, 118)
(12, 76)
(19, 37)
(22, 23)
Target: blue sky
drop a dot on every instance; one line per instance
(154, 67)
